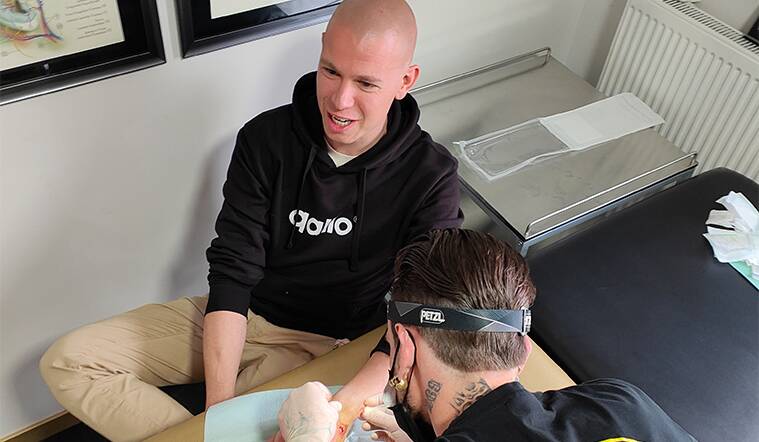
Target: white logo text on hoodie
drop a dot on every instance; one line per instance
(341, 226)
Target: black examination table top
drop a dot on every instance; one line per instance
(640, 297)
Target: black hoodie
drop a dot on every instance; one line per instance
(310, 246)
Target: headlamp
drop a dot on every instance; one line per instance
(488, 321)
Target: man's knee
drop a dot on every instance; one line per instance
(63, 361)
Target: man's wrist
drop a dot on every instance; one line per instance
(216, 394)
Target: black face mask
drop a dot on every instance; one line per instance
(417, 429)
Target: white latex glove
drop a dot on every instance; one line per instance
(307, 415)
(380, 419)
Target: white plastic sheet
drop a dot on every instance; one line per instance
(253, 418)
(506, 151)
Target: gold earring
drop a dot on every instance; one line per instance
(398, 383)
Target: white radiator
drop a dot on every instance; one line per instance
(698, 73)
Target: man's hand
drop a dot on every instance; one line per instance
(369, 381)
(308, 415)
(380, 419)
(223, 340)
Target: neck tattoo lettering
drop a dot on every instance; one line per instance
(433, 388)
(471, 393)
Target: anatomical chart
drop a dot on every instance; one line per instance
(38, 30)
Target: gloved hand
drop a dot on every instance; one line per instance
(380, 419)
(308, 415)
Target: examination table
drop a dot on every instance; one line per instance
(639, 296)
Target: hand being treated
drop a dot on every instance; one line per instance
(369, 381)
(308, 415)
(380, 419)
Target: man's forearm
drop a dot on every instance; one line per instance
(373, 375)
(369, 381)
(223, 340)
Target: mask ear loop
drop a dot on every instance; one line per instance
(405, 390)
(394, 380)
(411, 372)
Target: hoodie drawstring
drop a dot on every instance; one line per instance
(359, 222)
(309, 163)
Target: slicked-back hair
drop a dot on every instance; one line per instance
(465, 269)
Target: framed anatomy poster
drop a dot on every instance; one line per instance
(208, 25)
(48, 45)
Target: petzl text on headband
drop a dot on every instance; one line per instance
(491, 321)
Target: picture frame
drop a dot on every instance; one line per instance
(50, 46)
(209, 25)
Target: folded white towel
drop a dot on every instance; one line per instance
(737, 238)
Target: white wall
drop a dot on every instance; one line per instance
(592, 38)
(109, 191)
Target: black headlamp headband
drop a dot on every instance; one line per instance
(489, 321)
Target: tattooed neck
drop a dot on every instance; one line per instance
(473, 391)
(431, 392)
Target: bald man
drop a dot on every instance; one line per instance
(320, 195)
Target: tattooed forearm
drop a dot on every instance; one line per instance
(471, 393)
(433, 388)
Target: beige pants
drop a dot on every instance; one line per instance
(106, 374)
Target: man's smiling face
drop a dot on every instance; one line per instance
(359, 76)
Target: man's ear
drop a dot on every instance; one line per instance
(408, 81)
(406, 350)
(528, 351)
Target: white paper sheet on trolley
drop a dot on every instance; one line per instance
(503, 152)
(602, 121)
